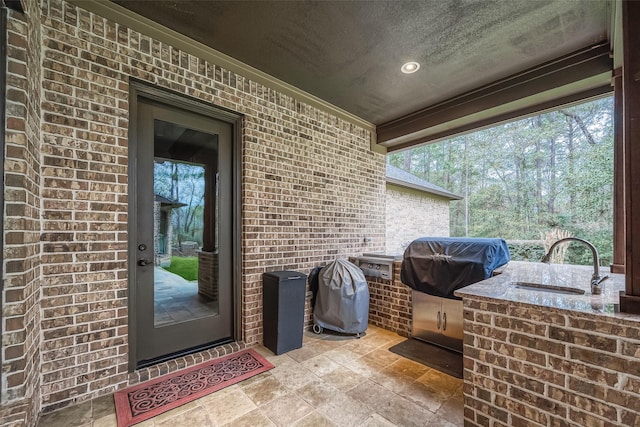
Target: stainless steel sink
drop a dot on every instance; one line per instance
(548, 288)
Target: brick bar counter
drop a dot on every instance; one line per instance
(540, 358)
(390, 305)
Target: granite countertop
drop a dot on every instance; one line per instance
(501, 287)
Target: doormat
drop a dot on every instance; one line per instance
(433, 356)
(146, 400)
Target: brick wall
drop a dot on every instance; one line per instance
(84, 207)
(208, 275)
(312, 190)
(390, 303)
(21, 324)
(412, 214)
(527, 366)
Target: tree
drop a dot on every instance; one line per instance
(184, 183)
(554, 170)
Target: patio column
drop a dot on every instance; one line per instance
(619, 226)
(630, 301)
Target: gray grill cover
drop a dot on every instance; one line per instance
(440, 265)
(342, 302)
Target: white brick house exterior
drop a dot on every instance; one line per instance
(415, 208)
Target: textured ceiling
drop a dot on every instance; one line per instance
(349, 53)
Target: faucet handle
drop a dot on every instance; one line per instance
(596, 280)
(596, 287)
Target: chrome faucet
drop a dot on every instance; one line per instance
(596, 279)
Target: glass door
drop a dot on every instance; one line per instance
(183, 275)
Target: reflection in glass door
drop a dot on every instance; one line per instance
(184, 219)
(185, 277)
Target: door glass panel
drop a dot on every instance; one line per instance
(185, 224)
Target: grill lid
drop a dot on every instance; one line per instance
(440, 265)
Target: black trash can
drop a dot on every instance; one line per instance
(283, 301)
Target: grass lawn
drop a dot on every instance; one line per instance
(187, 267)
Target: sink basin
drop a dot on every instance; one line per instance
(548, 288)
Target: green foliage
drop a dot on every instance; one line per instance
(522, 178)
(526, 250)
(186, 267)
(184, 183)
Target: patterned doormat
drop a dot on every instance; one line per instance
(146, 400)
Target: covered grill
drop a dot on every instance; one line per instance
(434, 267)
(440, 265)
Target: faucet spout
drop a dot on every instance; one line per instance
(596, 279)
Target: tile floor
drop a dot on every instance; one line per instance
(176, 300)
(331, 381)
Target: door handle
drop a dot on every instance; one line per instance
(144, 262)
(438, 321)
(444, 322)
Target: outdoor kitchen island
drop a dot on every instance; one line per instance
(549, 357)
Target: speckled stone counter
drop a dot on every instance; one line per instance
(539, 358)
(503, 287)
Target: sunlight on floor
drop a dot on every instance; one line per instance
(333, 380)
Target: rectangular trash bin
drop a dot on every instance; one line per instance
(283, 299)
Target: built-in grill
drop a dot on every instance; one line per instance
(377, 264)
(434, 267)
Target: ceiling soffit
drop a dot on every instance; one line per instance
(161, 33)
(344, 57)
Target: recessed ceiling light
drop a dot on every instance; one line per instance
(410, 67)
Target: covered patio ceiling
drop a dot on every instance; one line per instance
(349, 53)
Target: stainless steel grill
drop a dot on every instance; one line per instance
(377, 264)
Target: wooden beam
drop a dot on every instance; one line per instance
(518, 114)
(592, 65)
(630, 301)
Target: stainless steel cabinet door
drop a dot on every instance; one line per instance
(437, 320)
(427, 316)
(452, 318)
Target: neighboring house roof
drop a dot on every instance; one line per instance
(405, 179)
(164, 202)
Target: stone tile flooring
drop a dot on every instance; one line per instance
(331, 381)
(176, 300)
